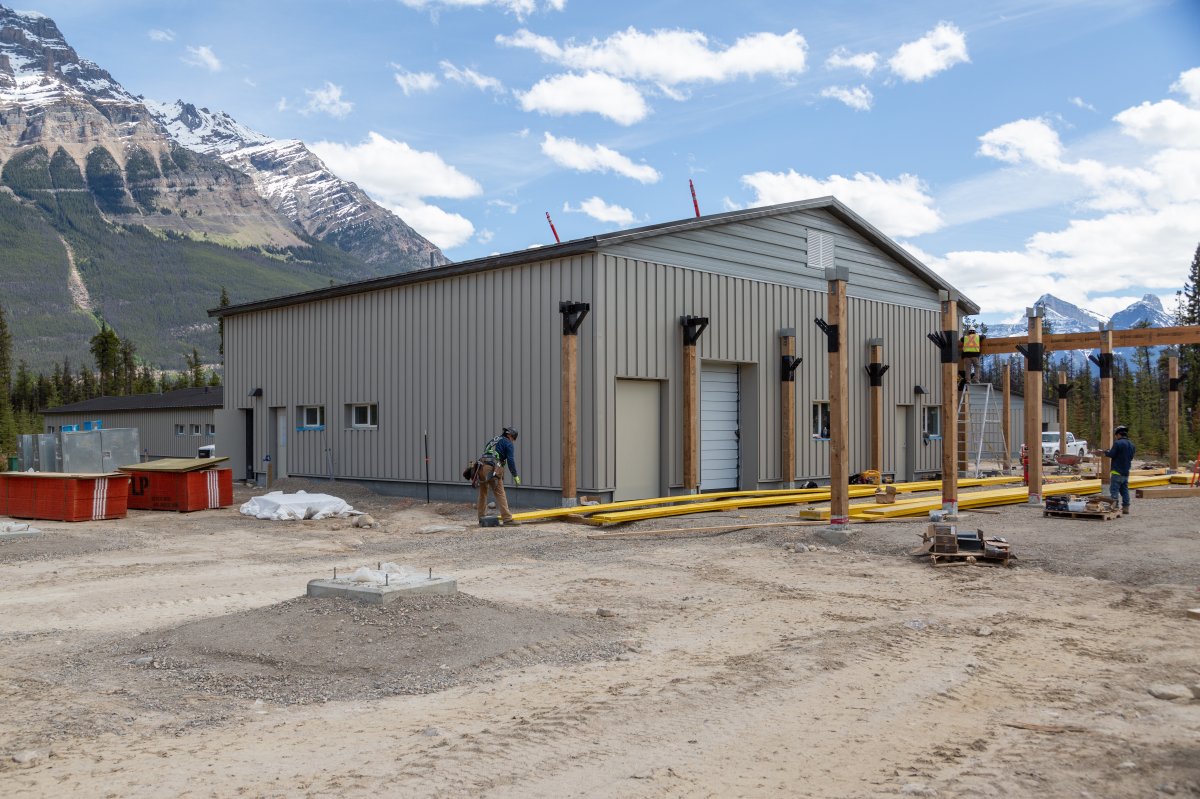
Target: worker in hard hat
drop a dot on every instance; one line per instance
(1121, 454)
(498, 454)
(969, 347)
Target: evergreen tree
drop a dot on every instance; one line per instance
(128, 366)
(106, 349)
(8, 424)
(195, 370)
(224, 303)
(1188, 313)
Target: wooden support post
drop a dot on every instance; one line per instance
(1173, 415)
(1106, 402)
(573, 314)
(1063, 389)
(787, 406)
(1006, 418)
(875, 372)
(949, 402)
(839, 401)
(693, 327)
(1033, 403)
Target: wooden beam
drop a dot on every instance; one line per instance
(787, 408)
(1033, 404)
(1006, 418)
(1106, 404)
(875, 371)
(1138, 337)
(691, 419)
(570, 419)
(1173, 414)
(950, 405)
(839, 401)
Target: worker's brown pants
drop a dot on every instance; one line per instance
(493, 477)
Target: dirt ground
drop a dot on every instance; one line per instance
(174, 655)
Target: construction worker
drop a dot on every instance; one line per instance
(969, 345)
(498, 453)
(1121, 454)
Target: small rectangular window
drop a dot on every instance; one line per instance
(931, 421)
(210, 429)
(364, 416)
(820, 421)
(312, 417)
(195, 429)
(180, 430)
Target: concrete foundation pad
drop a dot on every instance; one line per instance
(30, 533)
(375, 594)
(834, 537)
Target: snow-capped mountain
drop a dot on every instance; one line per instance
(1064, 317)
(301, 188)
(1148, 309)
(53, 101)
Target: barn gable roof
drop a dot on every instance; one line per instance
(599, 242)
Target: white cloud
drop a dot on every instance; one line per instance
(484, 236)
(157, 35)
(935, 52)
(858, 97)
(512, 208)
(521, 8)
(327, 100)
(901, 207)
(1143, 229)
(400, 177)
(203, 56)
(598, 158)
(1189, 85)
(470, 77)
(413, 82)
(672, 57)
(842, 58)
(1023, 140)
(445, 229)
(601, 211)
(592, 92)
(282, 105)
(1167, 122)
(1079, 102)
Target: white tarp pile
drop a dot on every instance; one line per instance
(278, 506)
(386, 574)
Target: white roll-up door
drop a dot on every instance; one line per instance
(719, 450)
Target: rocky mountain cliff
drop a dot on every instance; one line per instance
(52, 99)
(301, 188)
(108, 214)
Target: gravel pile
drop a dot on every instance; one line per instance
(315, 650)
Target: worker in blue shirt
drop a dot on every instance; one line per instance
(498, 454)
(1122, 459)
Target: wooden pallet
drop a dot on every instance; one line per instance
(1096, 516)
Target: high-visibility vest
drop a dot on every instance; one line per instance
(970, 343)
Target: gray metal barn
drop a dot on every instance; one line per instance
(174, 424)
(346, 381)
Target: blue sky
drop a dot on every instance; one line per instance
(1017, 147)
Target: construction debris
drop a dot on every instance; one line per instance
(1072, 506)
(946, 544)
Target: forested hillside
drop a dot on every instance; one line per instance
(152, 286)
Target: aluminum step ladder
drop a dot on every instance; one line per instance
(981, 429)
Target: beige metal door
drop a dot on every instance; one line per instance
(639, 436)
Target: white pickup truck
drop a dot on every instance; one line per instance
(1051, 440)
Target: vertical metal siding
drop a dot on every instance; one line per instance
(156, 428)
(459, 357)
